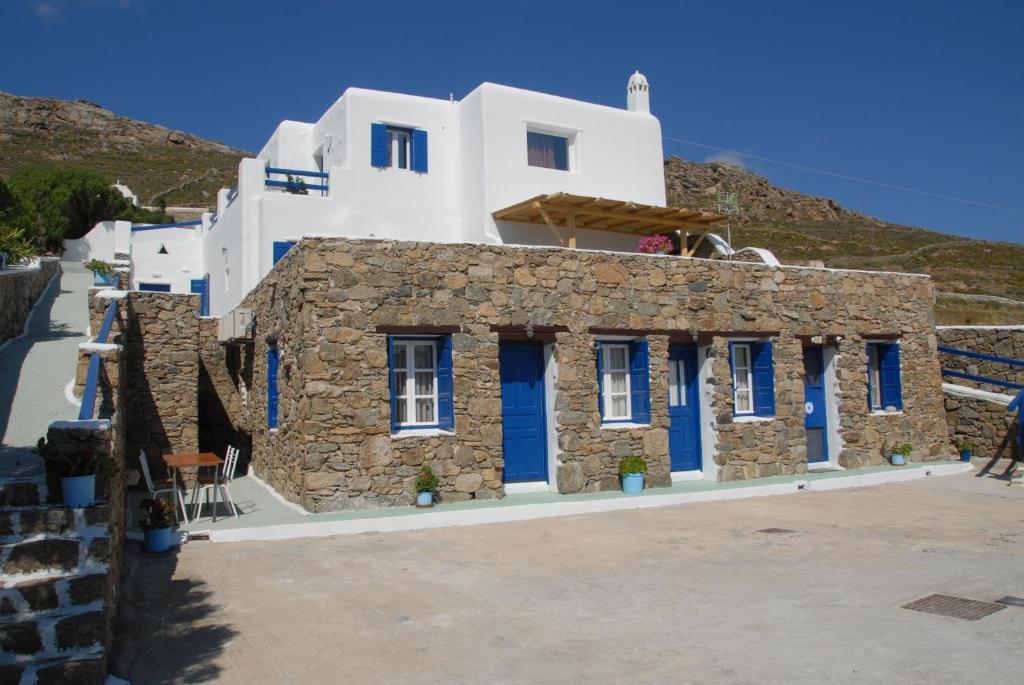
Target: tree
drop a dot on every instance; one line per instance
(20, 228)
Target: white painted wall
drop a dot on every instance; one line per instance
(183, 261)
(106, 239)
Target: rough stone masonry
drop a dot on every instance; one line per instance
(330, 305)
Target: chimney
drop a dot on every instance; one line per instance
(638, 94)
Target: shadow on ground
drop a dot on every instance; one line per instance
(182, 637)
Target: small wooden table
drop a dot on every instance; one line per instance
(177, 461)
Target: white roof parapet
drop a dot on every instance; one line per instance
(112, 294)
(964, 391)
(766, 255)
(91, 424)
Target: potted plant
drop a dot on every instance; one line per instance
(426, 486)
(157, 524)
(632, 470)
(965, 447)
(655, 244)
(102, 273)
(77, 470)
(901, 454)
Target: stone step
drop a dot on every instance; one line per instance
(49, 555)
(83, 669)
(53, 636)
(21, 493)
(45, 597)
(52, 519)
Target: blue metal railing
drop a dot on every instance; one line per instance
(180, 224)
(92, 377)
(1017, 404)
(979, 355)
(297, 184)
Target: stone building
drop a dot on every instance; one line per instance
(510, 369)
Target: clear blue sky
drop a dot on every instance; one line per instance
(924, 95)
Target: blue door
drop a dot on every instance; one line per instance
(683, 408)
(201, 287)
(815, 416)
(524, 438)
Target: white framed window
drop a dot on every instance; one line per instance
(616, 382)
(398, 148)
(676, 383)
(415, 371)
(548, 150)
(742, 379)
(874, 377)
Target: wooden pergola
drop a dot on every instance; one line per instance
(567, 212)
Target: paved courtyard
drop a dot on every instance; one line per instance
(679, 594)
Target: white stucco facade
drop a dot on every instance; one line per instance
(466, 159)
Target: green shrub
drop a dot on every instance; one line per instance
(965, 445)
(159, 514)
(632, 465)
(426, 481)
(905, 449)
(98, 266)
(15, 244)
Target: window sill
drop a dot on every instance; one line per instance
(420, 433)
(272, 430)
(623, 425)
(752, 418)
(886, 412)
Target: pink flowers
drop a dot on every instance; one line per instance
(654, 244)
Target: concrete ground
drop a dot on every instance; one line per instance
(678, 594)
(35, 369)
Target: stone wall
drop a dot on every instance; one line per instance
(986, 424)
(20, 289)
(162, 369)
(330, 304)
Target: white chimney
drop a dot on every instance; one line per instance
(638, 94)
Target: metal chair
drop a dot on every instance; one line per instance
(205, 486)
(168, 486)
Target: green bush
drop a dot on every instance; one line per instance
(15, 245)
(426, 481)
(98, 266)
(632, 465)
(965, 445)
(159, 514)
(905, 449)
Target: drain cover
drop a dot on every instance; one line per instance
(776, 531)
(1012, 601)
(957, 607)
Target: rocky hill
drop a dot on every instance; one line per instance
(801, 228)
(152, 160)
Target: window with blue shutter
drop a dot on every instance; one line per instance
(623, 381)
(201, 287)
(379, 154)
(753, 378)
(281, 248)
(155, 287)
(885, 388)
(420, 371)
(272, 358)
(419, 151)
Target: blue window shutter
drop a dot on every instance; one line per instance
(419, 151)
(391, 383)
(600, 378)
(281, 248)
(639, 382)
(272, 356)
(764, 379)
(889, 361)
(445, 402)
(379, 146)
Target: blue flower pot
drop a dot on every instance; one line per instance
(965, 455)
(897, 460)
(78, 491)
(633, 483)
(424, 499)
(158, 539)
(100, 279)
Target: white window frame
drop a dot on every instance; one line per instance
(399, 138)
(677, 383)
(570, 146)
(606, 382)
(748, 372)
(875, 376)
(410, 370)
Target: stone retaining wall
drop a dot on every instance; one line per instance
(20, 289)
(330, 303)
(987, 425)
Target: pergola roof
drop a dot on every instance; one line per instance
(596, 213)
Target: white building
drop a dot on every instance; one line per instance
(484, 169)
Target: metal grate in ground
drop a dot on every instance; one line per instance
(777, 531)
(957, 607)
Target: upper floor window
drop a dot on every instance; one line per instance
(421, 383)
(547, 150)
(395, 147)
(753, 378)
(885, 391)
(623, 377)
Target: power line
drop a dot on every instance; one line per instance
(858, 179)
